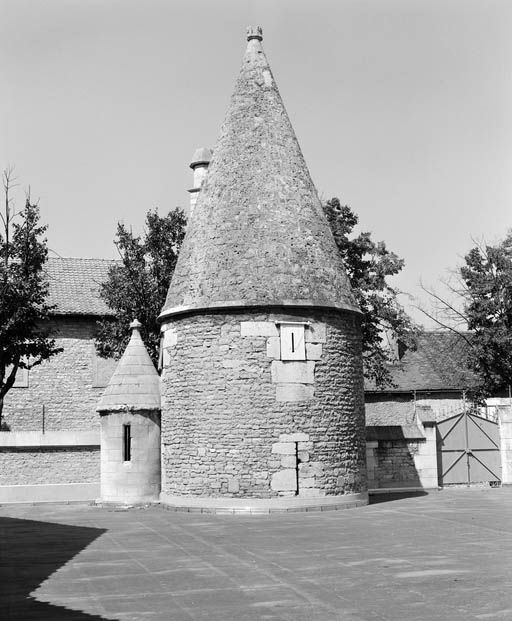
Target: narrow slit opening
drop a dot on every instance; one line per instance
(127, 443)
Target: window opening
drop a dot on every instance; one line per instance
(297, 464)
(127, 443)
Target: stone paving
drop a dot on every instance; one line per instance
(445, 555)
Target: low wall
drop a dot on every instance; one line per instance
(401, 457)
(54, 466)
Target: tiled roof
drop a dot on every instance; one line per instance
(438, 363)
(75, 283)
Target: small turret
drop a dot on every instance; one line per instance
(199, 164)
(130, 427)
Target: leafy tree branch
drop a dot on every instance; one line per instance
(369, 264)
(24, 312)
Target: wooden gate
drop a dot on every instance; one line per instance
(468, 450)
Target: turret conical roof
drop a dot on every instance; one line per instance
(258, 235)
(135, 384)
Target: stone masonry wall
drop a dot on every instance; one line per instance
(39, 466)
(237, 421)
(402, 457)
(68, 385)
(136, 480)
(392, 463)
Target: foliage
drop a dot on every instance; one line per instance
(24, 342)
(137, 286)
(368, 265)
(487, 279)
(478, 308)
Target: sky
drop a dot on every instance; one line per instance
(402, 108)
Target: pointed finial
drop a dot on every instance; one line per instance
(135, 325)
(254, 32)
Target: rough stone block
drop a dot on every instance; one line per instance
(305, 446)
(306, 482)
(233, 486)
(294, 392)
(234, 364)
(316, 333)
(288, 461)
(303, 456)
(310, 492)
(311, 469)
(284, 448)
(293, 437)
(294, 372)
(284, 480)
(258, 328)
(170, 338)
(313, 351)
(274, 347)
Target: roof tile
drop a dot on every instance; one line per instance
(440, 362)
(75, 284)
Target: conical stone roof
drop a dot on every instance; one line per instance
(135, 384)
(258, 235)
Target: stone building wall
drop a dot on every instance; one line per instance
(402, 457)
(235, 418)
(49, 465)
(68, 385)
(392, 464)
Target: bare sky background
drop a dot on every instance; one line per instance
(402, 109)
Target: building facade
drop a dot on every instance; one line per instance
(50, 446)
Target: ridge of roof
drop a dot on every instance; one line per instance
(258, 235)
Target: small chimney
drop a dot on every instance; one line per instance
(200, 162)
(254, 32)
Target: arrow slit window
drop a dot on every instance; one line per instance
(292, 341)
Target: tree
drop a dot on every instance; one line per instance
(368, 265)
(24, 341)
(137, 286)
(483, 305)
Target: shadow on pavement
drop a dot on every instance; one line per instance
(376, 499)
(30, 552)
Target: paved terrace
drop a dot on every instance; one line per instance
(447, 555)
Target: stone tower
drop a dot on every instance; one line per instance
(262, 385)
(130, 428)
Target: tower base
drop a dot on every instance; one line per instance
(261, 506)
